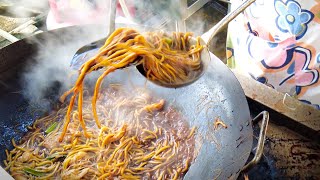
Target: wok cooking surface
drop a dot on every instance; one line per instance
(217, 94)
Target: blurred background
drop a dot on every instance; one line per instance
(22, 18)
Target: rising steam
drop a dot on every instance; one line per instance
(51, 72)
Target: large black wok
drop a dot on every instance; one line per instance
(31, 76)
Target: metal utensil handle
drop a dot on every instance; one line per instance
(223, 22)
(261, 140)
(112, 15)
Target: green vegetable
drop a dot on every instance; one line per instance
(51, 157)
(168, 41)
(54, 156)
(33, 172)
(51, 127)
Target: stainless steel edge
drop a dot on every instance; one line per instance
(261, 140)
(112, 15)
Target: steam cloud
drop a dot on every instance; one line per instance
(51, 71)
(25, 8)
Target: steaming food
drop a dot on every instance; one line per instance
(163, 58)
(134, 137)
(138, 139)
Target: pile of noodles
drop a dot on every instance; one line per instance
(138, 139)
(133, 138)
(164, 58)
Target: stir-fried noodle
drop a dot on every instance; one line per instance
(134, 136)
(137, 139)
(164, 58)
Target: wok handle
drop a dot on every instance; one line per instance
(261, 140)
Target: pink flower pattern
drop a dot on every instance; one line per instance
(287, 55)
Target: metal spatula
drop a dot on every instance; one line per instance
(89, 50)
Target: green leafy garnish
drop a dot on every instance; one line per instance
(168, 41)
(33, 172)
(55, 156)
(51, 127)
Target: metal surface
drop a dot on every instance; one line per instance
(216, 94)
(83, 53)
(125, 9)
(262, 138)
(195, 7)
(4, 175)
(87, 51)
(205, 40)
(112, 16)
(288, 153)
(224, 22)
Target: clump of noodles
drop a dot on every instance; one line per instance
(138, 139)
(168, 59)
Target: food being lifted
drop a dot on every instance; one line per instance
(135, 136)
(164, 59)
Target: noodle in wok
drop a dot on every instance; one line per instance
(163, 59)
(137, 139)
(134, 136)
